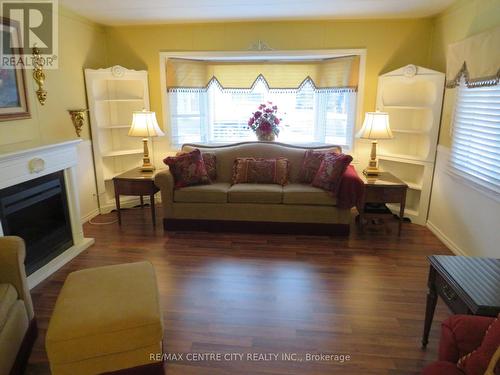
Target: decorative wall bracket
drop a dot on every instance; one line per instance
(78, 118)
(39, 76)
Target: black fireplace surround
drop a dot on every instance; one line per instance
(37, 211)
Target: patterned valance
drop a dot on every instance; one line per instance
(340, 74)
(476, 59)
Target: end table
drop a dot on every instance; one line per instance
(384, 188)
(138, 183)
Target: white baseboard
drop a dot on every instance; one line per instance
(446, 240)
(42, 273)
(90, 215)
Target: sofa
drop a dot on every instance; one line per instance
(251, 207)
(17, 320)
(469, 345)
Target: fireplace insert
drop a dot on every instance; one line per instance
(37, 211)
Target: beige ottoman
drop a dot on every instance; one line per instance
(106, 319)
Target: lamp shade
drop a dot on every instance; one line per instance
(375, 126)
(144, 124)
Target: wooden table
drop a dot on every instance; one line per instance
(384, 188)
(468, 285)
(138, 183)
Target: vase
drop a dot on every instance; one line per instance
(265, 137)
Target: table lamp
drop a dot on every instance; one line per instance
(144, 125)
(376, 126)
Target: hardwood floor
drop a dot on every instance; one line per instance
(362, 296)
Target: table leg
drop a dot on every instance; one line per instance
(430, 306)
(117, 201)
(153, 209)
(402, 212)
(142, 201)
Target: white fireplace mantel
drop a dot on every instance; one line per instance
(25, 165)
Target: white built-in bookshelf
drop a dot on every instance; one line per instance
(413, 97)
(113, 94)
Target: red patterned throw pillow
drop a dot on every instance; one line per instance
(476, 362)
(310, 165)
(210, 159)
(260, 171)
(188, 169)
(330, 172)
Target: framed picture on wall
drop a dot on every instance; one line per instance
(13, 94)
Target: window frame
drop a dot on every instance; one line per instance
(264, 55)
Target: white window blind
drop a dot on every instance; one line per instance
(217, 115)
(475, 152)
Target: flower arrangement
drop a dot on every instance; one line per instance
(265, 122)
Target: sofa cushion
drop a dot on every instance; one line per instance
(330, 172)
(213, 193)
(105, 311)
(8, 296)
(255, 193)
(188, 169)
(310, 165)
(260, 171)
(307, 194)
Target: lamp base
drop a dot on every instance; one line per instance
(371, 171)
(146, 162)
(147, 168)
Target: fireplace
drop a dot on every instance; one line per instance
(37, 211)
(39, 202)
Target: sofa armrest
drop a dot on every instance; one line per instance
(165, 182)
(460, 335)
(12, 254)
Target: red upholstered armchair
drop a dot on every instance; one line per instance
(464, 334)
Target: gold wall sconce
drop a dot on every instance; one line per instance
(78, 119)
(39, 76)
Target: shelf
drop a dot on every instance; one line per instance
(413, 185)
(121, 100)
(122, 152)
(411, 159)
(395, 208)
(115, 127)
(409, 131)
(407, 106)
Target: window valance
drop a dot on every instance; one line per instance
(477, 59)
(336, 74)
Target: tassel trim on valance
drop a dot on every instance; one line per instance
(261, 78)
(474, 82)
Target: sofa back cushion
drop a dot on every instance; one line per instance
(226, 155)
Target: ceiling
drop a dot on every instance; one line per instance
(120, 12)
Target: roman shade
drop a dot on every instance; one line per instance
(338, 74)
(477, 59)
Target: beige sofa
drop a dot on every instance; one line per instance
(295, 207)
(17, 323)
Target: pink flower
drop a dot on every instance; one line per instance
(265, 127)
(251, 121)
(277, 121)
(257, 114)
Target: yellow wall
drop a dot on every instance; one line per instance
(81, 45)
(390, 44)
(465, 18)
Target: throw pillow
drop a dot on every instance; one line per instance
(330, 172)
(310, 165)
(260, 171)
(209, 159)
(476, 362)
(188, 169)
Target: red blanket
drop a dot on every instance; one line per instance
(351, 189)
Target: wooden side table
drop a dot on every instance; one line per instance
(384, 188)
(468, 285)
(138, 183)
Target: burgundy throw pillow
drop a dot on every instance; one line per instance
(188, 169)
(476, 362)
(330, 172)
(310, 165)
(210, 159)
(260, 171)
